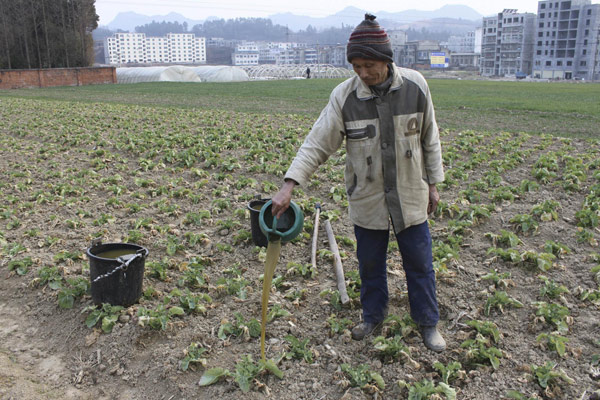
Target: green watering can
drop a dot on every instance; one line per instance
(285, 228)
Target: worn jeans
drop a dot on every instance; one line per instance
(415, 247)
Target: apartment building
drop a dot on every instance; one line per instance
(566, 43)
(245, 54)
(507, 44)
(136, 48)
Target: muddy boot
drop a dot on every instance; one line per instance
(432, 339)
(364, 329)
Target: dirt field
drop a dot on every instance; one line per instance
(178, 182)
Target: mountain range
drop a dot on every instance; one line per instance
(451, 15)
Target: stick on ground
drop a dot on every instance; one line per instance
(313, 254)
(339, 270)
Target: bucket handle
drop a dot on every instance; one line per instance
(125, 261)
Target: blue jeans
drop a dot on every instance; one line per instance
(415, 247)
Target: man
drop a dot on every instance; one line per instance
(393, 161)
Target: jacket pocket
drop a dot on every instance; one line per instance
(368, 132)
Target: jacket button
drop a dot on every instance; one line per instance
(378, 101)
(384, 146)
(388, 189)
(408, 153)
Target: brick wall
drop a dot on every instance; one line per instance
(32, 78)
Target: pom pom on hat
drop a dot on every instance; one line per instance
(369, 40)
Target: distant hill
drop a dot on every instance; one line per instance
(457, 17)
(352, 16)
(127, 21)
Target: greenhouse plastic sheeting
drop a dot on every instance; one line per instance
(220, 73)
(175, 73)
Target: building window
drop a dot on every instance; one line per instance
(584, 52)
(543, 6)
(539, 53)
(548, 63)
(542, 15)
(559, 63)
(582, 63)
(569, 63)
(541, 25)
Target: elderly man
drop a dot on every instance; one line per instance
(393, 161)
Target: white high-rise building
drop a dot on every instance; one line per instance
(136, 48)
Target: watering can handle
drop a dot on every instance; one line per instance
(274, 227)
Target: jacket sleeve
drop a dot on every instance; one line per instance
(324, 139)
(430, 141)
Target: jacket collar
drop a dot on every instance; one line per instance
(364, 93)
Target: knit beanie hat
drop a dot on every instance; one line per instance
(369, 40)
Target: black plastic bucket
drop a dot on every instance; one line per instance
(258, 237)
(122, 287)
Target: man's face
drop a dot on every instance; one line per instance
(371, 72)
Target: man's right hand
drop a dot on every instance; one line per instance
(281, 201)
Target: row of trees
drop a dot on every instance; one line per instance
(258, 29)
(263, 29)
(47, 33)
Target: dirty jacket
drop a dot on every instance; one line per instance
(392, 149)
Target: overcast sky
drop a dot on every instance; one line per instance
(201, 9)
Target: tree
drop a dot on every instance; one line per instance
(47, 33)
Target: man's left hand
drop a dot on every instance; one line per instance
(434, 198)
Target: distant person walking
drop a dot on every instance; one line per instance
(393, 161)
(307, 72)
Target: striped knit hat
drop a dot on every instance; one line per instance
(369, 40)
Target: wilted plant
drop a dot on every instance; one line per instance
(554, 314)
(361, 376)
(499, 300)
(546, 375)
(554, 342)
(246, 371)
(427, 389)
(193, 355)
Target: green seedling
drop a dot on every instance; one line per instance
(554, 342)
(246, 371)
(157, 269)
(193, 355)
(502, 194)
(304, 270)
(338, 326)
(499, 300)
(554, 314)
(193, 273)
(63, 256)
(353, 283)
(239, 328)
(159, 317)
(391, 348)
(107, 315)
(501, 280)
(547, 376)
(50, 276)
(427, 389)
(174, 245)
(191, 302)
(546, 211)
(486, 328)
(543, 261)
(479, 351)
(276, 311)
(361, 376)
(551, 289)
(587, 218)
(513, 394)
(394, 325)
(75, 288)
(20, 267)
(585, 236)
(592, 296)
(298, 349)
(334, 298)
(511, 255)
(557, 249)
(524, 223)
(450, 372)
